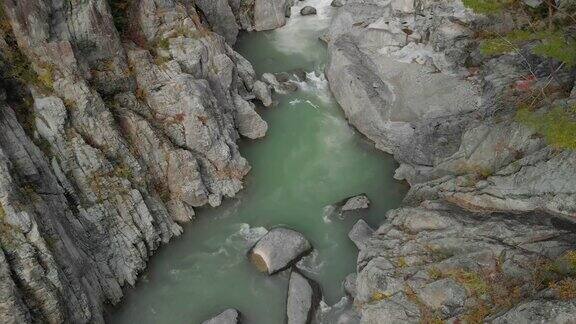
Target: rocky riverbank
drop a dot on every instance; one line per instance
(118, 119)
(413, 78)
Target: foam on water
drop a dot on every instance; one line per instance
(291, 38)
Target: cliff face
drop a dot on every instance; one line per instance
(114, 125)
(411, 77)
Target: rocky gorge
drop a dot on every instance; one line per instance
(120, 118)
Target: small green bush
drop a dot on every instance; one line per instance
(558, 126)
(558, 47)
(484, 6)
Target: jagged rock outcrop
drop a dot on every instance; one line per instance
(446, 264)
(114, 125)
(484, 186)
(451, 129)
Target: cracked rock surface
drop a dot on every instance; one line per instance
(114, 126)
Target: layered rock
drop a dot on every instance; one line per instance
(114, 126)
(444, 263)
(454, 130)
(484, 187)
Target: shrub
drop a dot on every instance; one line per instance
(558, 126)
(378, 296)
(484, 6)
(564, 289)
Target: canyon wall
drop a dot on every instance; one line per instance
(492, 205)
(117, 119)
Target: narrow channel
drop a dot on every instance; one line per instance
(309, 159)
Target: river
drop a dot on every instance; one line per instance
(309, 159)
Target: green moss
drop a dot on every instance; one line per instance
(558, 47)
(484, 6)
(378, 296)
(471, 280)
(123, 171)
(164, 43)
(558, 126)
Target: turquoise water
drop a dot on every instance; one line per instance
(309, 159)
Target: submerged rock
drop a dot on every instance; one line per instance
(278, 249)
(356, 202)
(280, 82)
(304, 296)
(308, 10)
(229, 316)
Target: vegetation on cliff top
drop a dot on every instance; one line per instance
(546, 31)
(558, 125)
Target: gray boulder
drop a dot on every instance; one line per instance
(303, 299)
(269, 14)
(356, 202)
(262, 92)
(278, 249)
(446, 296)
(360, 233)
(338, 3)
(308, 10)
(229, 316)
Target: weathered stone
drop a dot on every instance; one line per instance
(278, 249)
(269, 14)
(445, 295)
(303, 299)
(360, 233)
(262, 92)
(338, 3)
(229, 316)
(131, 143)
(308, 10)
(356, 202)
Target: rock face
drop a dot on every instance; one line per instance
(270, 14)
(114, 125)
(303, 299)
(229, 316)
(484, 186)
(446, 261)
(278, 249)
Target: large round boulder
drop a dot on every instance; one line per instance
(278, 249)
